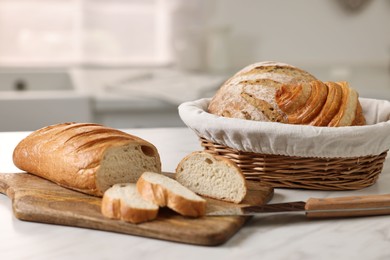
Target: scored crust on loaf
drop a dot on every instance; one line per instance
(250, 93)
(212, 176)
(349, 107)
(123, 202)
(86, 157)
(278, 92)
(167, 192)
(328, 104)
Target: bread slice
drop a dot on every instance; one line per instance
(165, 191)
(212, 176)
(86, 157)
(122, 201)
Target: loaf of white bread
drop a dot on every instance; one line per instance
(279, 92)
(89, 158)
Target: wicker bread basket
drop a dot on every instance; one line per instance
(291, 156)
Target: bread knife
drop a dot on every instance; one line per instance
(352, 206)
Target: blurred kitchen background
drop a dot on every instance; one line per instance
(130, 63)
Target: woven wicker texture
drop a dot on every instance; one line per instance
(302, 172)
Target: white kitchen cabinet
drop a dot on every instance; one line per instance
(31, 112)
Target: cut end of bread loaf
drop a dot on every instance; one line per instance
(123, 202)
(167, 192)
(125, 164)
(212, 176)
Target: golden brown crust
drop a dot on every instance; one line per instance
(69, 154)
(342, 107)
(266, 108)
(292, 99)
(111, 208)
(306, 107)
(166, 198)
(277, 92)
(329, 104)
(250, 93)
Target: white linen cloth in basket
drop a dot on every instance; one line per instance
(293, 140)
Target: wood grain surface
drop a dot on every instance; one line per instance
(38, 200)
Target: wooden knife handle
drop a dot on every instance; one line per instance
(348, 206)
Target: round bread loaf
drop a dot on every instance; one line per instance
(279, 92)
(250, 93)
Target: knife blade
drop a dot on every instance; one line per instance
(351, 206)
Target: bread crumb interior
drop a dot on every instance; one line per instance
(125, 164)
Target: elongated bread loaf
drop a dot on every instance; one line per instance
(123, 202)
(212, 176)
(167, 192)
(89, 158)
(278, 92)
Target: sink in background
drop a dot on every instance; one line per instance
(35, 79)
(31, 98)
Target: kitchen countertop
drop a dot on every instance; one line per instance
(265, 237)
(112, 89)
(148, 89)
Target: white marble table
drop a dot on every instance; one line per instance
(266, 237)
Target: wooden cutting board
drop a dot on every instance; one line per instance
(36, 199)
